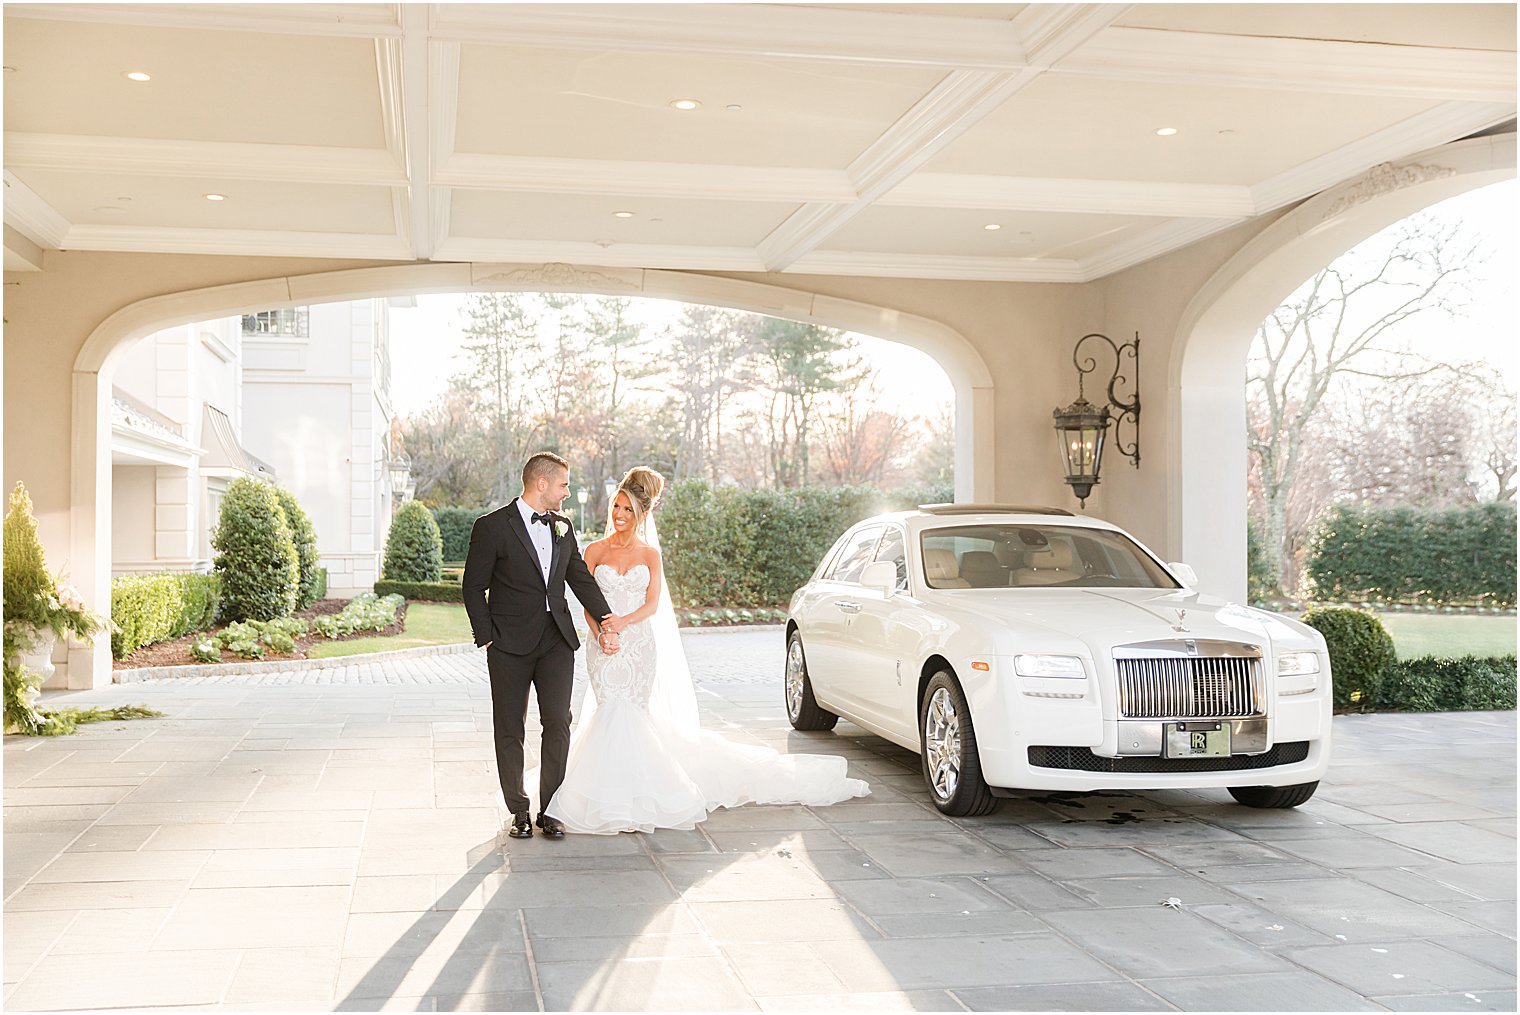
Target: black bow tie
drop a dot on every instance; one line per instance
(541, 518)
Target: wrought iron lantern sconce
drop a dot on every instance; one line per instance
(1083, 427)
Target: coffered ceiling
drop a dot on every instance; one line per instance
(969, 141)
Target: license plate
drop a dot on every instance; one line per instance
(1197, 740)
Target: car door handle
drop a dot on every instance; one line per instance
(847, 606)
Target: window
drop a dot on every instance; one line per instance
(1026, 556)
(893, 548)
(856, 555)
(291, 322)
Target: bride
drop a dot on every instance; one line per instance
(639, 759)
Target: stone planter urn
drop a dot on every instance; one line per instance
(37, 661)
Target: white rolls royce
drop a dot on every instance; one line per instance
(1019, 648)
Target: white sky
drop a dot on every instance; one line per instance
(425, 340)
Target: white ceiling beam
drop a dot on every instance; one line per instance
(222, 160)
(21, 254)
(1093, 197)
(616, 255)
(762, 31)
(1309, 65)
(983, 269)
(31, 216)
(348, 20)
(250, 242)
(408, 59)
(955, 105)
(650, 179)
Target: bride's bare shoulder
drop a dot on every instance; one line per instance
(649, 555)
(593, 552)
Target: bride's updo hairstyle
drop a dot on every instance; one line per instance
(643, 486)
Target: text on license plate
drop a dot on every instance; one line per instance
(1197, 739)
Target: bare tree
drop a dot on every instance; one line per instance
(862, 442)
(710, 344)
(801, 362)
(1342, 322)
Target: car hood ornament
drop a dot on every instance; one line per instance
(1181, 625)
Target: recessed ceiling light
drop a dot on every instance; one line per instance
(1228, 130)
(685, 104)
(114, 209)
(622, 214)
(215, 197)
(1165, 131)
(992, 227)
(137, 75)
(733, 107)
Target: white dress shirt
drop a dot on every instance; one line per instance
(543, 540)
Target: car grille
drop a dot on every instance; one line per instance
(1082, 759)
(1218, 687)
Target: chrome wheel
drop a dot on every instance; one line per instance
(942, 744)
(796, 672)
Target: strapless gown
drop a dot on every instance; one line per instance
(625, 773)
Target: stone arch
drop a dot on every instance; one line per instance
(90, 479)
(1206, 374)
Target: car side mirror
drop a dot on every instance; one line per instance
(880, 575)
(1185, 574)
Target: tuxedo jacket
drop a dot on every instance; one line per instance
(504, 586)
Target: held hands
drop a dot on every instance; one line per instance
(607, 641)
(613, 624)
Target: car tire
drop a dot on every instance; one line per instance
(948, 757)
(1273, 796)
(797, 689)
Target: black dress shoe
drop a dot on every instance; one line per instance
(521, 828)
(553, 828)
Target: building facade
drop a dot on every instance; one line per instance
(298, 396)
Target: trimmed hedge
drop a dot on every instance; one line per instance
(1431, 684)
(741, 547)
(431, 592)
(158, 607)
(413, 548)
(321, 589)
(454, 525)
(1403, 555)
(1360, 650)
(255, 555)
(304, 535)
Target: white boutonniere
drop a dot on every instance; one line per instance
(560, 528)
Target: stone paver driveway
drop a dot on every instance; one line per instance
(334, 840)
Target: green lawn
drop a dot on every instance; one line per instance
(426, 624)
(1449, 636)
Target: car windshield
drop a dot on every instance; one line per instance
(1037, 556)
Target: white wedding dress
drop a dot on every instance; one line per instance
(638, 759)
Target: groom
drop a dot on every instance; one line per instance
(524, 554)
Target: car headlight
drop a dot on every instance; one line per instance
(1297, 672)
(1049, 666)
(1297, 664)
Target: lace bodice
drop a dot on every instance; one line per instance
(628, 673)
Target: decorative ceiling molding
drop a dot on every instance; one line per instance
(31, 216)
(1162, 238)
(351, 20)
(1096, 197)
(650, 179)
(557, 275)
(220, 160)
(1315, 65)
(1424, 130)
(1051, 32)
(249, 242)
(960, 100)
(983, 269)
(761, 31)
(618, 255)
(1385, 179)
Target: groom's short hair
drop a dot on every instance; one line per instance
(542, 466)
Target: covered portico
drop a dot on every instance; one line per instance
(987, 183)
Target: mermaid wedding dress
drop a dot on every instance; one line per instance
(639, 759)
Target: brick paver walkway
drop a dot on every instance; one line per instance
(333, 840)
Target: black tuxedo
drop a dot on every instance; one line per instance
(529, 644)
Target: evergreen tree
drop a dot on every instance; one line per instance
(255, 555)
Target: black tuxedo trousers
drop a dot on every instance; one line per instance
(550, 670)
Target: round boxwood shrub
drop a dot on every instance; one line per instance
(413, 549)
(304, 535)
(1360, 650)
(454, 525)
(255, 556)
